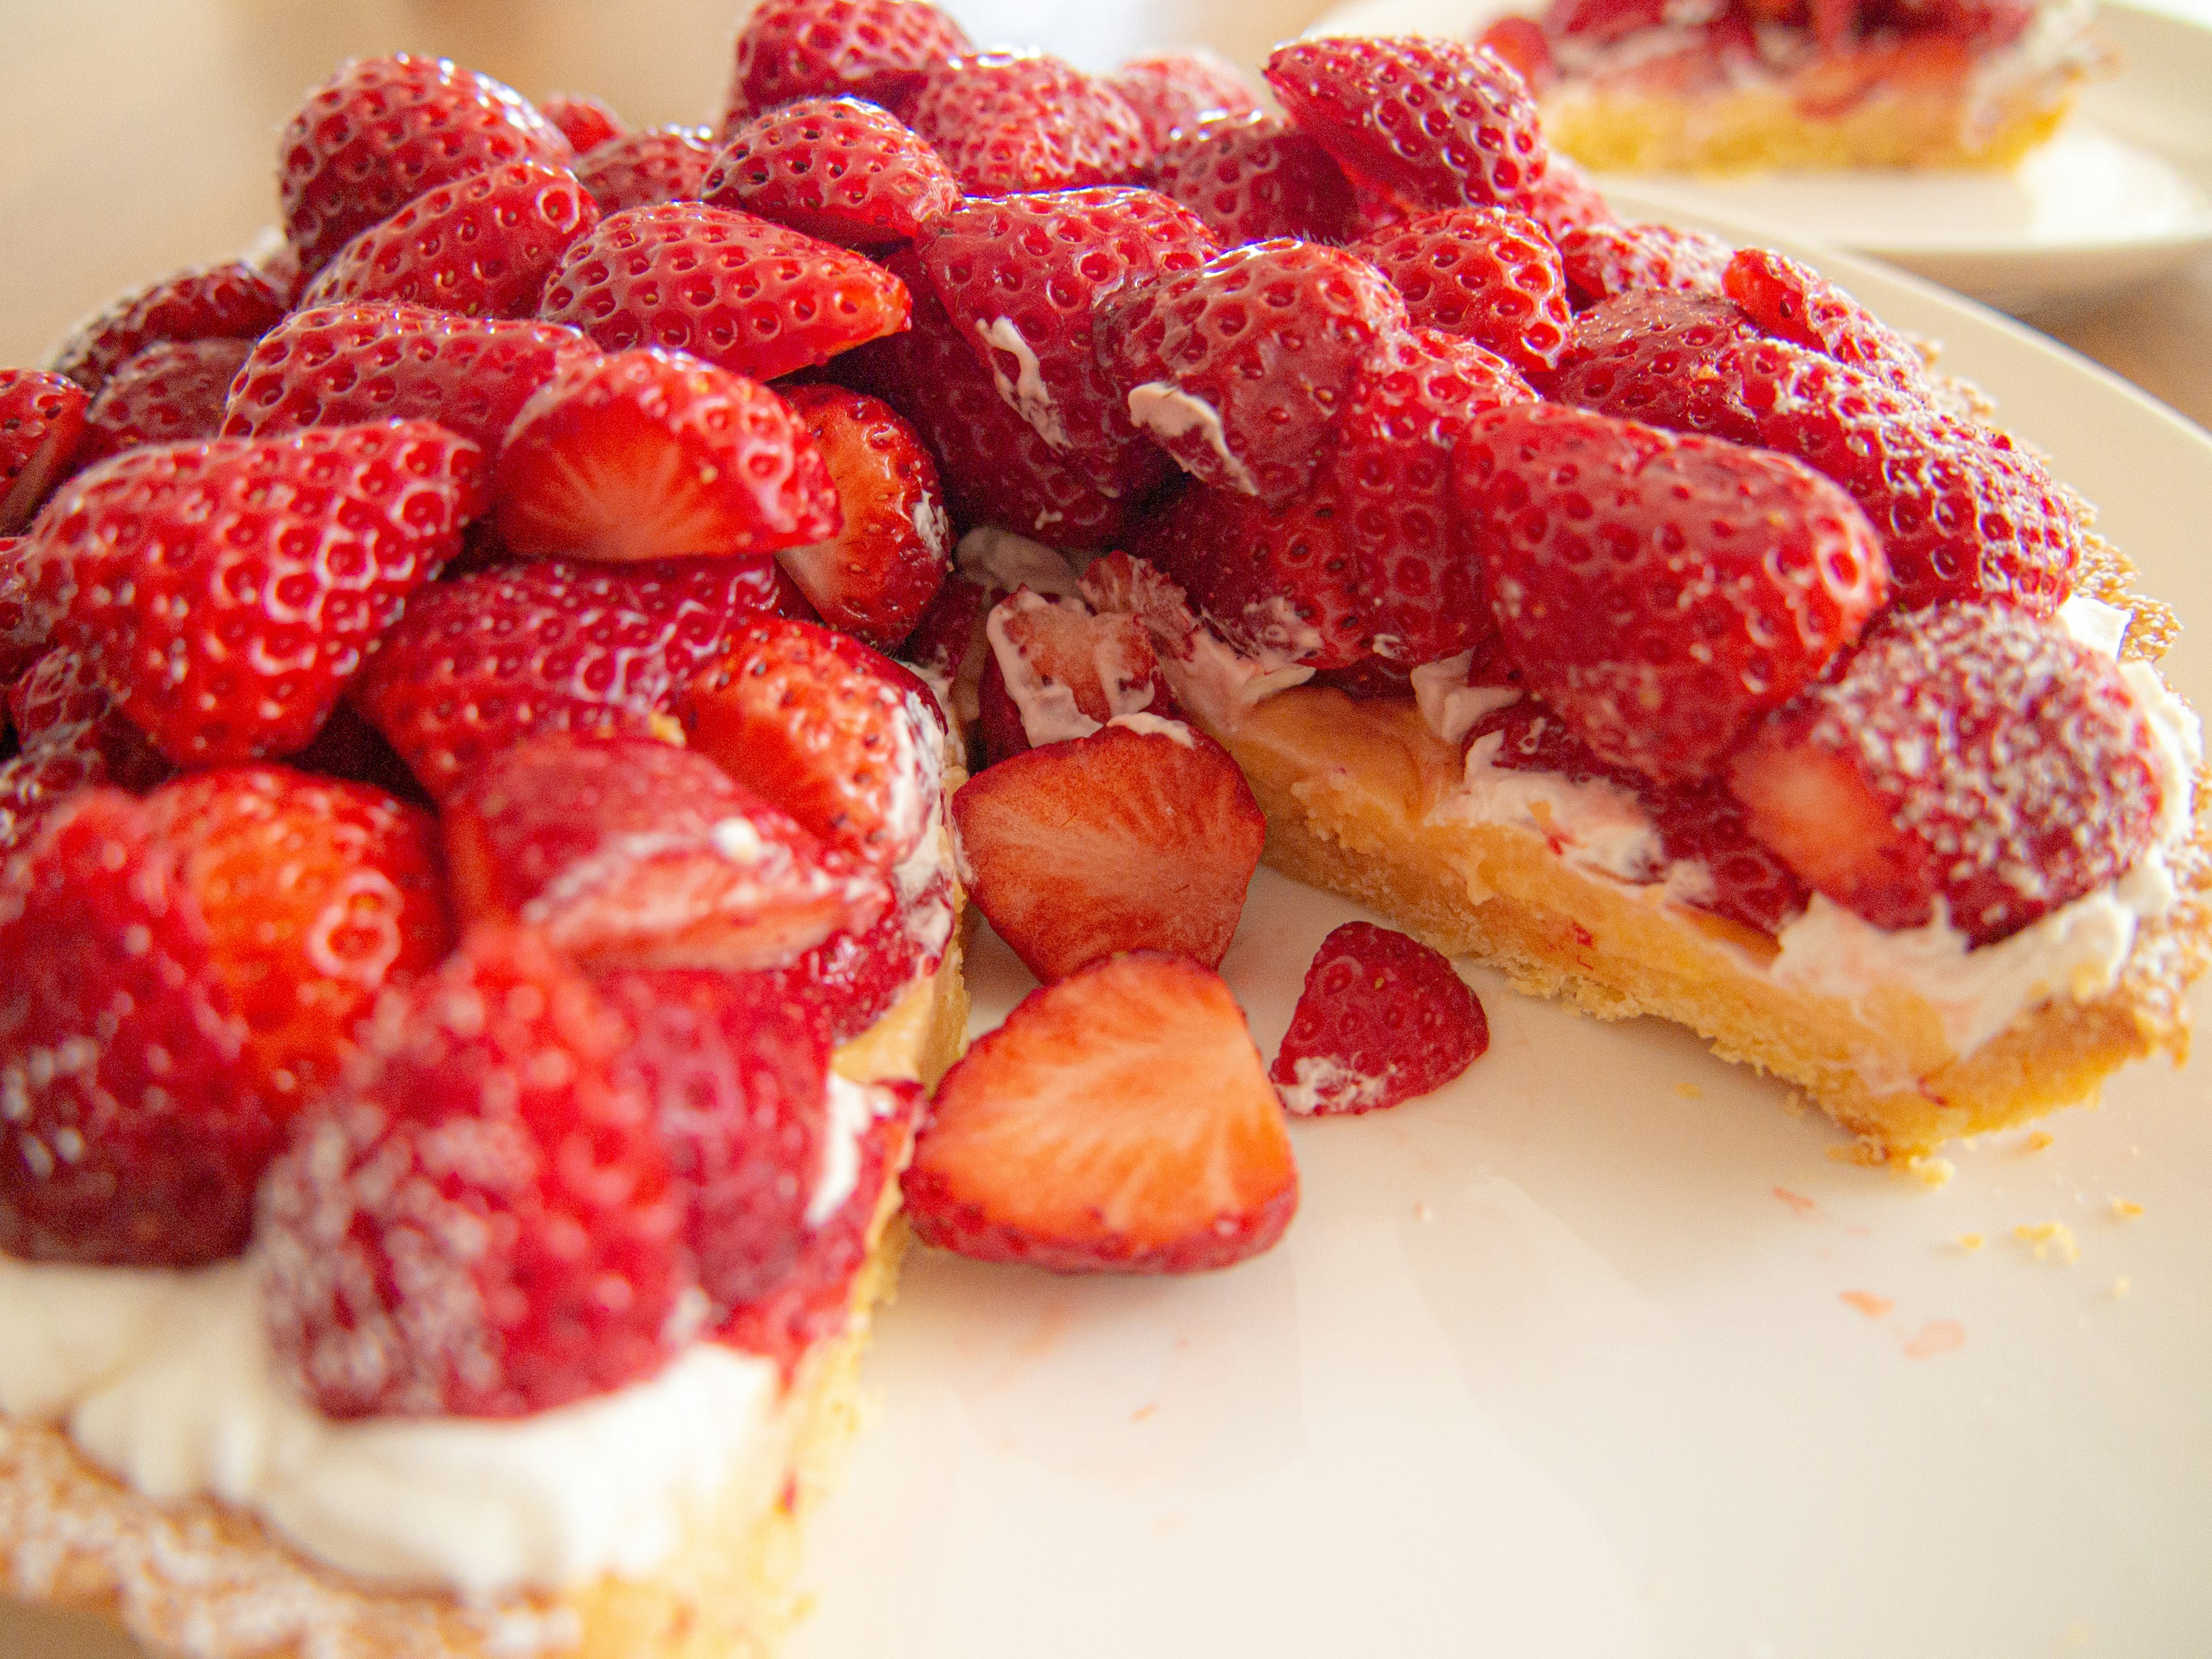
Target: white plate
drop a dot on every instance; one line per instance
(2122, 194)
(1557, 1362)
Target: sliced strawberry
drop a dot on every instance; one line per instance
(1603, 261)
(1484, 274)
(879, 50)
(1660, 592)
(1175, 91)
(833, 167)
(41, 422)
(874, 578)
(342, 365)
(1059, 671)
(1745, 882)
(1010, 123)
(1023, 280)
(1118, 1121)
(170, 392)
(479, 664)
(1437, 122)
(1633, 355)
(1252, 178)
(381, 131)
(230, 301)
(1970, 762)
(651, 454)
(483, 1222)
(1793, 302)
(657, 164)
(227, 590)
(585, 121)
(480, 246)
(1570, 200)
(1381, 1018)
(1139, 837)
(939, 647)
(629, 852)
(736, 291)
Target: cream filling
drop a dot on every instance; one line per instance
(999, 560)
(1170, 415)
(1027, 394)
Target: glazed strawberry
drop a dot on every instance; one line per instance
(652, 454)
(846, 741)
(170, 392)
(872, 578)
(342, 365)
(2043, 785)
(879, 50)
(1175, 91)
(483, 1222)
(227, 590)
(939, 647)
(629, 852)
(1634, 356)
(736, 291)
(230, 301)
(658, 164)
(1139, 837)
(1484, 274)
(1436, 123)
(381, 131)
(1252, 178)
(1793, 302)
(1568, 200)
(1381, 1018)
(1013, 123)
(480, 246)
(1660, 592)
(1240, 369)
(833, 168)
(1602, 261)
(585, 121)
(479, 664)
(1745, 881)
(1023, 280)
(143, 1149)
(1059, 671)
(1119, 1121)
(42, 422)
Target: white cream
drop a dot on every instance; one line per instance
(999, 560)
(1156, 726)
(1449, 707)
(1027, 394)
(1170, 414)
(853, 1108)
(1323, 1082)
(1597, 826)
(2092, 623)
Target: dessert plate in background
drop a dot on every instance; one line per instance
(1596, 1352)
(2122, 194)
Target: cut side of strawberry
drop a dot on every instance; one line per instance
(170, 392)
(1119, 1121)
(1059, 671)
(833, 168)
(1142, 836)
(1604, 261)
(41, 422)
(1484, 274)
(229, 301)
(660, 164)
(1010, 123)
(879, 50)
(1252, 178)
(1381, 1018)
(1174, 92)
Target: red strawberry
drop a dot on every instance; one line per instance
(1969, 761)
(480, 246)
(1141, 836)
(879, 50)
(1603, 261)
(1569, 201)
(585, 121)
(1023, 280)
(1010, 123)
(1381, 1018)
(1746, 883)
(381, 131)
(1117, 1122)
(1522, 45)
(1058, 670)
(1175, 91)
(846, 741)
(346, 364)
(1660, 592)
(833, 167)
(872, 578)
(1794, 303)
(42, 422)
(1252, 178)
(736, 291)
(628, 851)
(170, 392)
(483, 1222)
(350, 749)
(479, 664)
(60, 703)
(227, 590)
(660, 164)
(1484, 274)
(23, 627)
(1634, 356)
(939, 647)
(652, 454)
(1240, 368)
(37, 779)
(232, 301)
(1436, 123)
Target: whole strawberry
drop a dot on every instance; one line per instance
(41, 422)
(1173, 92)
(170, 392)
(1484, 274)
(1012, 123)
(1253, 176)
(1605, 261)
(833, 168)
(658, 164)
(585, 121)
(229, 301)
(879, 50)
(1794, 302)
(1381, 1018)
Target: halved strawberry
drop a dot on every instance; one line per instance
(629, 852)
(1173, 92)
(1381, 1018)
(1253, 176)
(1058, 670)
(41, 422)
(1526, 49)
(1142, 836)
(833, 168)
(170, 392)
(585, 121)
(1635, 355)
(939, 647)
(879, 50)
(1603, 261)
(1795, 303)
(1007, 123)
(1745, 881)
(873, 577)
(736, 291)
(483, 1222)
(652, 454)
(60, 703)
(480, 246)
(657, 164)
(23, 626)
(229, 301)
(1117, 1122)
(1568, 200)
(1485, 274)
(37, 779)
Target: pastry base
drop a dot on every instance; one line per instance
(204, 1581)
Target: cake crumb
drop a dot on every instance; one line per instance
(2049, 1240)
(2122, 1285)
(1971, 1241)
(1873, 1306)
(1938, 1336)
(667, 728)
(1797, 1201)
(1930, 1172)
(2125, 1209)
(1689, 1091)
(2038, 1139)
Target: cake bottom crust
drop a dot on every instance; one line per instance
(204, 1581)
